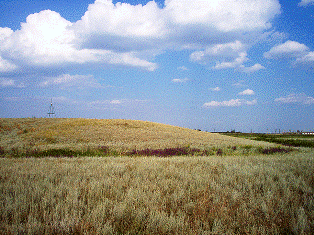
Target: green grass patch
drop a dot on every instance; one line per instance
(287, 140)
(284, 140)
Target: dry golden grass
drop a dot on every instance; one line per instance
(150, 195)
(242, 194)
(119, 135)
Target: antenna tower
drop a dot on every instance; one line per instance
(51, 110)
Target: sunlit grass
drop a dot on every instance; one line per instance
(118, 135)
(262, 194)
(81, 176)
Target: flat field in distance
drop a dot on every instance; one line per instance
(296, 140)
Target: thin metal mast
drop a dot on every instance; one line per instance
(51, 110)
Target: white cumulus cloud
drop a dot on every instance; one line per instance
(287, 50)
(227, 50)
(115, 102)
(124, 27)
(252, 69)
(65, 81)
(306, 2)
(121, 26)
(296, 99)
(42, 39)
(11, 83)
(230, 103)
(223, 15)
(178, 80)
(247, 92)
(5, 33)
(183, 68)
(7, 82)
(229, 55)
(109, 104)
(215, 89)
(132, 35)
(6, 66)
(48, 40)
(291, 49)
(308, 58)
(237, 62)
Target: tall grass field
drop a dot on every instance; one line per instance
(79, 176)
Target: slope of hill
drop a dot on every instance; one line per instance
(120, 135)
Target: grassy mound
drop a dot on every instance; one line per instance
(41, 136)
(249, 192)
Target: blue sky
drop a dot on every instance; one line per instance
(214, 65)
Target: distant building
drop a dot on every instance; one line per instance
(308, 133)
(299, 133)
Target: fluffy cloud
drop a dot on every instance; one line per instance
(306, 2)
(10, 83)
(247, 92)
(228, 50)
(67, 81)
(308, 58)
(109, 104)
(5, 33)
(287, 50)
(121, 27)
(237, 62)
(177, 80)
(291, 49)
(115, 102)
(183, 68)
(43, 39)
(230, 103)
(223, 15)
(215, 89)
(148, 30)
(7, 83)
(48, 40)
(123, 34)
(124, 27)
(239, 84)
(229, 55)
(6, 66)
(296, 99)
(251, 69)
